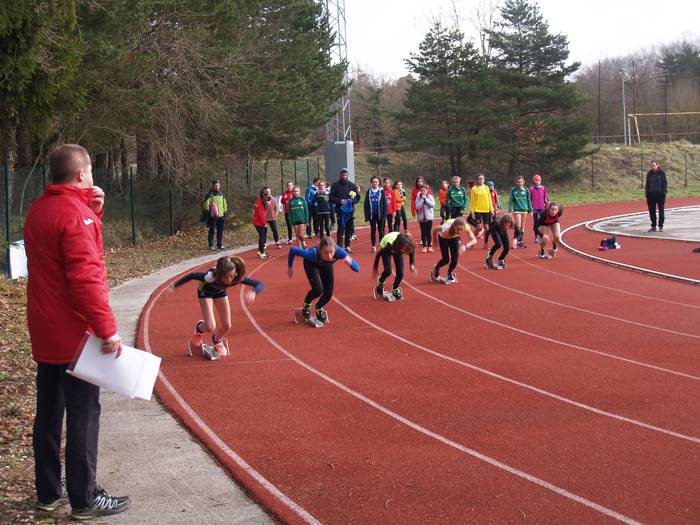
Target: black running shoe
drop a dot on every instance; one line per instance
(379, 289)
(52, 505)
(489, 263)
(397, 293)
(321, 315)
(306, 311)
(102, 505)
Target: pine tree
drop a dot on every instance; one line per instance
(447, 101)
(538, 102)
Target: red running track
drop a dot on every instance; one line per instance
(678, 258)
(559, 391)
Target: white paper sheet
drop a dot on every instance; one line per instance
(132, 375)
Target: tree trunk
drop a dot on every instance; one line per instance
(144, 158)
(25, 158)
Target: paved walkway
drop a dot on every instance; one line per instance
(145, 453)
(681, 224)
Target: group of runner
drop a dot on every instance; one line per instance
(383, 210)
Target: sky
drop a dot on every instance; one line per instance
(382, 33)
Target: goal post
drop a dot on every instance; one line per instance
(666, 131)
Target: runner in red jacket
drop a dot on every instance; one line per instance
(67, 295)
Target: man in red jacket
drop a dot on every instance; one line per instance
(67, 295)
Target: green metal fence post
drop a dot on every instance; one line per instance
(295, 172)
(131, 198)
(226, 172)
(685, 168)
(641, 168)
(6, 173)
(308, 182)
(43, 176)
(170, 202)
(592, 174)
(318, 166)
(378, 161)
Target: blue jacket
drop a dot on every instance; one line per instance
(382, 205)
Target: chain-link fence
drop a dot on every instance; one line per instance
(140, 208)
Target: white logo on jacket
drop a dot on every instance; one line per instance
(88, 222)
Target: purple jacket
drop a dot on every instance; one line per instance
(538, 196)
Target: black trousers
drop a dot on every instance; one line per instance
(655, 200)
(262, 237)
(218, 225)
(536, 214)
(289, 226)
(376, 226)
(273, 227)
(444, 214)
(456, 211)
(500, 238)
(399, 217)
(312, 225)
(56, 393)
(398, 264)
(449, 249)
(324, 224)
(390, 222)
(425, 231)
(321, 280)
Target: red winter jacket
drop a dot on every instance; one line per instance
(259, 218)
(286, 197)
(67, 291)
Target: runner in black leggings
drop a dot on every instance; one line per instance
(448, 235)
(499, 234)
(394, 245)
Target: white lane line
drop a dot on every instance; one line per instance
(305, 516)
(673, 277)
(604, 287)
(515, 382)
(550, 340)
(578, 309)
(442, 439)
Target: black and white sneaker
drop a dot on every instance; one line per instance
(306, 311)
(435, 277)
(102, 505)
(321, 315)
(53, 505)
(489, 263)
(501, 265)
(451, 279)
(397, 293)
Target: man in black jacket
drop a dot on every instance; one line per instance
(656, 188)
(344, 195)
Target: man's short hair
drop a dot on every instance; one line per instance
(215, 181)
(65, 161)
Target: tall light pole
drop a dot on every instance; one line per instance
(624, 108)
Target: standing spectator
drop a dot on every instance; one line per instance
(656, 188)
(322, 204)
(390, 204)
(420, 182)
(271, 211)
(539, 200)
(425, 212)
(400, 198)
(260, 222)
(456, 198)
(310, 197)
(344, 195)
(67, 296)
(375, 211)
(444, 211)
(286, 197)
(215, 208)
